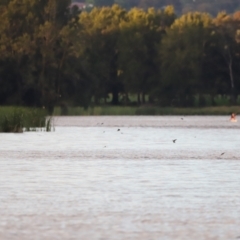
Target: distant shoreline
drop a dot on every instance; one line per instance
(144, 110)
(133, 111)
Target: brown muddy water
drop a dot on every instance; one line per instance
(122, 178)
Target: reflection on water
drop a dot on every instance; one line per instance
(87, 180)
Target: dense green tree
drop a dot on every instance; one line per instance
(226, 34)
(51, 56)
(140, 35)
(100, 34)
(30, 44)
(182, 55)
(16, 45)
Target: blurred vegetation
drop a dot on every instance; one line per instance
(146, 110)
(54, 56)
(181, 6)
(20, 119)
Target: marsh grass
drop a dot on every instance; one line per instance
(147, 110)
(97, 111)
(220, 110)
(12, 122)
(22, 119)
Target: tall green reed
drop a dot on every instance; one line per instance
(22, 119)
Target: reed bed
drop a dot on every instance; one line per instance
(20, 119)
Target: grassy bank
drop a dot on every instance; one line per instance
(21, 119)
(146, 110)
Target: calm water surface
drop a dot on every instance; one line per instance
(122, 178)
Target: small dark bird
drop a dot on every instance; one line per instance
(174, 140)
(222, 154)
(101, 123)
(118, 129)
(182, 118)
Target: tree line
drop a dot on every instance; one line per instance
(51, 55)
(181, 6)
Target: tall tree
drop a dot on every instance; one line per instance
(182, 57)
(226, 32)
(140, 35)
(100, 36)
(31, 33)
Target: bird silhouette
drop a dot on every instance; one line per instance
(174, 140)
(222, 154)
(182, 118)
(118, 129)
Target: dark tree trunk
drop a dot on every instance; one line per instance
(143, 98)
(233, 96)
(115, 100)
(126, 98)
(230, 67)
(138, 98)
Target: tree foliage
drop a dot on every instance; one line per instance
(51, 56)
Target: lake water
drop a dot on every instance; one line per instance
(122, 178)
